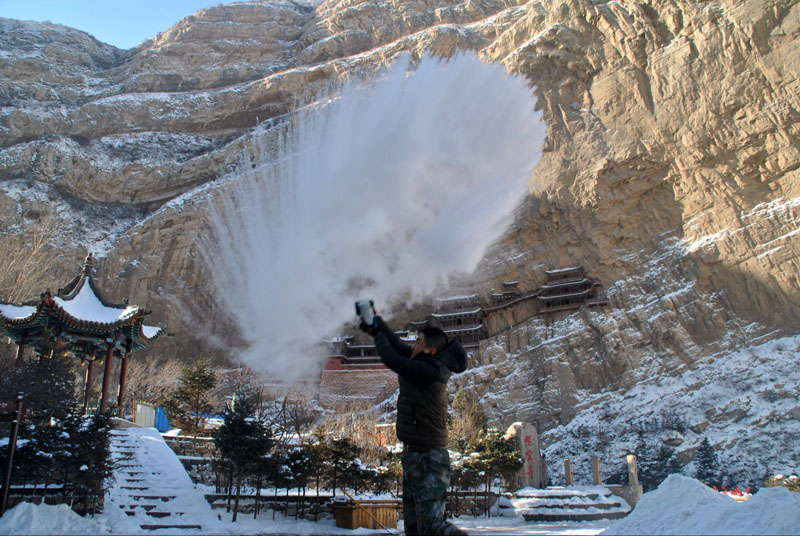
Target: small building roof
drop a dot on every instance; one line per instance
(460, 330)
(567, 283)
(545, 297)
(563, 270)
(455, 298)
(460, 313)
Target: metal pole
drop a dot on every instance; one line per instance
(12, 444)
(106, 377)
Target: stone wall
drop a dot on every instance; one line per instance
(357, 387)
(310, 508)
(197, 456)
(192, 446)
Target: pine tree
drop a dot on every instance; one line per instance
(665, 464)
(502, 455)
(91, 455)
(298, 463)
(315, 451)
(186, 405)
(60, 445)
(340, 455)
(707, 470)
(646, 462)
(241, 440)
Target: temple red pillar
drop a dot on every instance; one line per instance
(123, 371)
(88, 388)
(106, 377)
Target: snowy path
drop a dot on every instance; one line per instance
(151, 486)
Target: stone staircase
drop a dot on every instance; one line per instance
(567, 504)
(150, 484)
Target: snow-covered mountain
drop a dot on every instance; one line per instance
(670, 172)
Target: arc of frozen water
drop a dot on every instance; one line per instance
(384, 190)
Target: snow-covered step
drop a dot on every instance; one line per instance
(145, 507)
(155, 513)
(567, 504)
(171, 526)
(162, 498)
(151, 484)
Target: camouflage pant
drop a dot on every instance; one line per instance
(426, 477)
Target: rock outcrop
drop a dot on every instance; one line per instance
(671, 169)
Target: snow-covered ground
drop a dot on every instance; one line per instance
(679, 506)
(27, 518)
(150, 478)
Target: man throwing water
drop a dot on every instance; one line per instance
(422, 373)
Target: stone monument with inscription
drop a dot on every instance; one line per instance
(534, 470)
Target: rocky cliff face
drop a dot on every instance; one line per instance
(671, 167)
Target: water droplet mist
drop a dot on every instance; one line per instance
(385, 189)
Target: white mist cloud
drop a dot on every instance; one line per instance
(387, 189)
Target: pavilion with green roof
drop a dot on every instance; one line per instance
(79, 321)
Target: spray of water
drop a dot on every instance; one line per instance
(384, 190)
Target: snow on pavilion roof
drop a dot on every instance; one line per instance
(16, 312)
(87, 306)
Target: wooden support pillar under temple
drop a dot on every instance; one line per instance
(106, 378)
(20, 352)
(123, 371)
(88, 385)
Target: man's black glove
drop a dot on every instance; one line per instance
(374, 328)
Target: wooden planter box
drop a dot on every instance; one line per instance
(371, 514)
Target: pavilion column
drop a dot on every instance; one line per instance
(106, 377)
(88, 388)
(20, 352)
(123, 371)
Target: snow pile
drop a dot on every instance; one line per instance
(29, 518)
(685, 506)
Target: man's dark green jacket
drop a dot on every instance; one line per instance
(422, 403)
